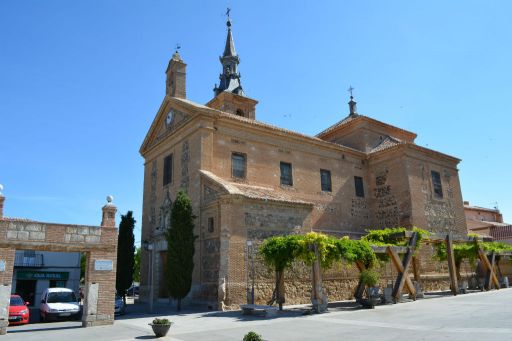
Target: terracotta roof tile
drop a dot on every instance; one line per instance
(254, 192)
(386, 143)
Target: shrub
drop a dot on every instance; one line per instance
(252, 336)
(369, 277)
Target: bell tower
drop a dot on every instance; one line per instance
(229, 94)
(176, 76)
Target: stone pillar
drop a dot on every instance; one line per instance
(6, 269)
(100, 288)
(109, 213)
(100, 274)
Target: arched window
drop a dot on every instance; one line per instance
(240, 112)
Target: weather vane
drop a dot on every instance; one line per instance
(350, 89)
(178, 46)
(227, 12)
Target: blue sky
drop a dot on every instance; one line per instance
(81, 81)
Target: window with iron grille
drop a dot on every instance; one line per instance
(238, 165)
(358, 182)
(286, 174)
(436, 182)
(168, 169)
(325, 179)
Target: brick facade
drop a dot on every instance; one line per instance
(403, 184)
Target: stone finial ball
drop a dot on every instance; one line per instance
(109, 198)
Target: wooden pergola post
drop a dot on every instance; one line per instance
(318, 297)
(360, 285)
(416, 269)
(491, 276)
(451, 264)
(403, 269)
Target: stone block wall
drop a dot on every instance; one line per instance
(100, 243)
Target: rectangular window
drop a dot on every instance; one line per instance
(168, 169)
(211, 225)
(325, 179)
(286, 174)
(358, 181)
(436, 182)
(238, 165)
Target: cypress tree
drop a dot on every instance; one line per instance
(180, 248)
(125, 254)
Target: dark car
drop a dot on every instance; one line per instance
(120, 306)
(133, 291)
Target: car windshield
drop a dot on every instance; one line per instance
(61, 297)
(16, 301)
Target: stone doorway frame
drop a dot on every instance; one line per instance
(98, 242)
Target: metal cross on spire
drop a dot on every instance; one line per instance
(178, 46)
(350, 89)
(227, 12)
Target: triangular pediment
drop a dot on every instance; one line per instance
(170, 116)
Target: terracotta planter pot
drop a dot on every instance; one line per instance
(160, 329)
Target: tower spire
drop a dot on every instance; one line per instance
(352, 104)
(230, 77)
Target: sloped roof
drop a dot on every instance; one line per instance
(257, 123)
(352, 118)
(386, 143)
(252, 191)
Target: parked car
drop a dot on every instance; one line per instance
(59, 303)
(120, 306)
(133, 291)
(18, 311)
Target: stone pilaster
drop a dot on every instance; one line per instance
(2, 199)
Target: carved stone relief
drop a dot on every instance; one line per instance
(185, 158)
(388, 212)
(152, 195)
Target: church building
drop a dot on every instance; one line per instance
(249, 180)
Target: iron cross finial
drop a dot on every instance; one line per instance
(178, 46)
(227, 12)
(350, 89)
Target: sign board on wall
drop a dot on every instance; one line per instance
(103, 265)
(43, 275)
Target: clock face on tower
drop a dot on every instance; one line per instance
(169, 118)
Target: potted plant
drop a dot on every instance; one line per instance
(370, 278)
(160, 326)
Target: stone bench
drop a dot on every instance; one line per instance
(258, 310)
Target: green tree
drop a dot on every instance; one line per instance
(180, 248)
(136, 266)
(125, 254)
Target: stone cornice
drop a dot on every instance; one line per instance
(358, 120)
(404, 147)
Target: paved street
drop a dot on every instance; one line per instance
(480, 316)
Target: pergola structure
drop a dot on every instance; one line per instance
(403, 266)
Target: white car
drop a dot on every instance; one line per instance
(58, 303)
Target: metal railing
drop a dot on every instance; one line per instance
(32, 261)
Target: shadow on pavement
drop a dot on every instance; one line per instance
(46, 328)
(145, 337)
